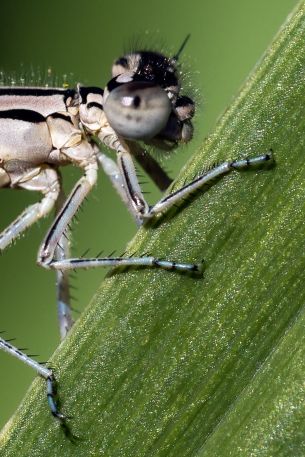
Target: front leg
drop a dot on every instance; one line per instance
(131, 184)
(144, 212)
(113, 172)
(226, 167)
(135, 196)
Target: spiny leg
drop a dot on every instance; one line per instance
(148, 163)
(139, 204)
(46, 253)
(137, 199)
(121, 172)
(62, 252)
(113, 172)
(46, 181)
(131, 183)
(46, 256)
(43, 371)
(145, 261)
(220, 170)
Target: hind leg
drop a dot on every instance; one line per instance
(46, 181)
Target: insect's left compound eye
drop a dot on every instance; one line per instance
(137, 110)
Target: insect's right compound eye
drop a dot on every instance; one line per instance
(138, 110)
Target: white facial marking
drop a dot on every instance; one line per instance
(125, 77)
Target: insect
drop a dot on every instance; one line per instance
(42, 129)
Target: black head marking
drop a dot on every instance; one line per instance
(122, 61)
(113, 84)
(157, 68)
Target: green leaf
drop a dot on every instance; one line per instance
(165, 364)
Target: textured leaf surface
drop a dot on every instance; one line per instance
(163, 364)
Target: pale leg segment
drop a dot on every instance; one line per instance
(82, 188)
(43, 371)
(138, 201)
(148, 163)
(46, 182)
(131, 183)
(46, 256)
(62, 252)
(113, 172)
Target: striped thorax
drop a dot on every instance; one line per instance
(41, 127)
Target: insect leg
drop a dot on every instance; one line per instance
(62, 278)
(45, 181)
(114, 174)
(123, 174)
(220, 170)
(137, 200)
(148, 163)
(42, 370)
(46, 255)
(131, 184)
(146, 261)
(82, 188)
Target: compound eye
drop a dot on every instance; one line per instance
(137, 110)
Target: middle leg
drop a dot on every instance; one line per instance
(46, 255)
(62, 252)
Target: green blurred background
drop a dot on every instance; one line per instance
(227, 39)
